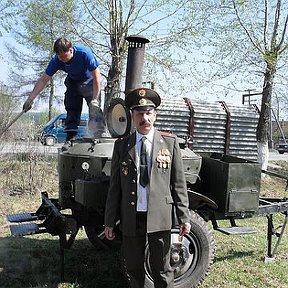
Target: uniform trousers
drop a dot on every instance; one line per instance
(159, 260)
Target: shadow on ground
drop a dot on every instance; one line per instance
(30, 262)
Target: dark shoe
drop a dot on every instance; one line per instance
(66, 145)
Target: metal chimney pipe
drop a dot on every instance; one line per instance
(135, 62)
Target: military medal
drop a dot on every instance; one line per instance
(124, 168)
(163, 158)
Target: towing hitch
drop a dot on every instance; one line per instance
(53, 222)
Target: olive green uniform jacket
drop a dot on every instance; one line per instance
(168, 193)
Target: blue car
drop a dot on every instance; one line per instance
(53, 131)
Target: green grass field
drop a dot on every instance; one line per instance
(34, 261)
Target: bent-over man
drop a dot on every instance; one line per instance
(82, 82)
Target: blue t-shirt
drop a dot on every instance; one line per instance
(78, 68)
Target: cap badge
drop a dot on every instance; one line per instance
(142, 101)
(142, 93)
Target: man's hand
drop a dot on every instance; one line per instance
(94, 108)
(27, 105)
(109, 233)
(94, 103)
(184, 228)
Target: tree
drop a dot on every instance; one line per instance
(7, 108)
(248, 40)
(40, 24)
(109, 22)
(274, 43)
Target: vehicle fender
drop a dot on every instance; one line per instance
(197, 201)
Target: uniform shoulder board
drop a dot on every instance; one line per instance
(167, 134)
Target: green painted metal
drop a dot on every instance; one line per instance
(233, 183)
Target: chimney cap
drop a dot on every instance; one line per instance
(137, 39)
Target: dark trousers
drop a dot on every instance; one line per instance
(159, 260)
(75, 93)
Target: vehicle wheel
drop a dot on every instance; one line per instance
(95, 234)
(50, 141)
(191, 258)
(281, 152)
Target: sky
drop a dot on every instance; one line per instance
(4, 65)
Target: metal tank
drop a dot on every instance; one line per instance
(88, 160)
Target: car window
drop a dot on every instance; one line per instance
(83, 123)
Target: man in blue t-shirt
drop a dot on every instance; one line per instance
(82, 81)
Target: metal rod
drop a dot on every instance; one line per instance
(12, 122)
(269, 235)
(280, 235)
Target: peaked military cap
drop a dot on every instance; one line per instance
(142, 99)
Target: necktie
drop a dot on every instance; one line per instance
(144, 179)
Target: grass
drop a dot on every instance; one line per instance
(239, 260)
(34, 261)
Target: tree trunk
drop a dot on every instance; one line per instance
(264, 119)
(51, 96)
(112, 89)
(118, 49)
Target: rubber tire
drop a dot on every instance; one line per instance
(202, 252)
(50, 141)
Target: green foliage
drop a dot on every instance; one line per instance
(103, 25)
(199, 43)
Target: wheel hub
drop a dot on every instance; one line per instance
(178, 253)
(181, 254)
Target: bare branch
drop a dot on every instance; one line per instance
(278, 48)
(162, 18)
(245, 29)
(94, 18)
(265, 25)
(276, 25)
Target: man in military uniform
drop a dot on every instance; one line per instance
(147, 184)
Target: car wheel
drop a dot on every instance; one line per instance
(50, 141)
(191, 259)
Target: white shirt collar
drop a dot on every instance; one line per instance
(149, 136)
